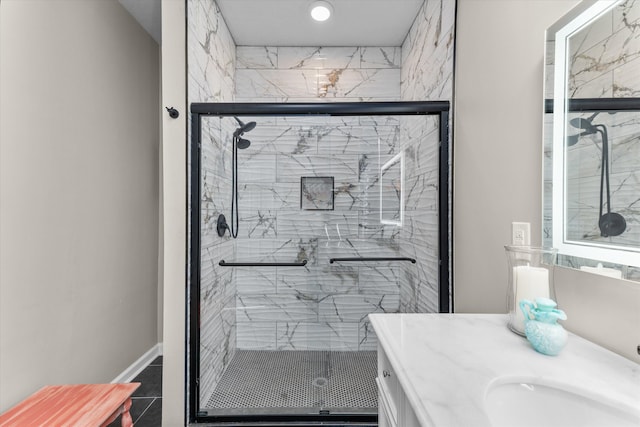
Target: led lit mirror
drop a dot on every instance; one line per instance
(392, 191)
(592, 137)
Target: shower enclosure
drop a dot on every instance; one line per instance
(342, 211)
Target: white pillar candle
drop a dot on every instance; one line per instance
(530, 283)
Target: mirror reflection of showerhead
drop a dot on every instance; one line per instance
(612, 224)
(243, 143)
(583, 124)
(248, 127)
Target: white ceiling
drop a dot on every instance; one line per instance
(288, 23)
(147, 13)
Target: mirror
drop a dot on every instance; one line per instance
(392, 191)
(592, 137)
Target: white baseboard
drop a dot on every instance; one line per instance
(136, 367)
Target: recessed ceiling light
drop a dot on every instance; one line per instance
(320, 10)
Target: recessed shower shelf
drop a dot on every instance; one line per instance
(223, 263)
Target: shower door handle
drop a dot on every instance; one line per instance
(366, 259)
(223, 263)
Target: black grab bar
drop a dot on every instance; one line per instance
(332, 260)
(223, 263)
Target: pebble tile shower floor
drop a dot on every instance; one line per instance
(293, 380)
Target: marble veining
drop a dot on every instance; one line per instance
(606, 51)
(471, 351)
(320, 304)
(211, 63)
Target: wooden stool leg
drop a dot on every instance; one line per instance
(126, 416)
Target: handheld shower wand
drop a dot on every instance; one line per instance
(610, 223)
(238, 143)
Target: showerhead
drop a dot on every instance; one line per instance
(243, 143)
(248, 127)
(612, 224)
(585, 125)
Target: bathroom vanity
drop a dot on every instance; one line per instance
(471, 370)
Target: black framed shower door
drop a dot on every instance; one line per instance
(200, 111)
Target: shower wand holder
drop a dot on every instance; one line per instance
(222, 226)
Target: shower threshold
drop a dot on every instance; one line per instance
(258, 382)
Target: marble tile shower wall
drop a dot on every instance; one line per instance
(427, 53)
(316, 74)
(605, 63)
(427, 74)
(321, 305)
(211, 68)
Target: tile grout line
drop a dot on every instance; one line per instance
(145, 411)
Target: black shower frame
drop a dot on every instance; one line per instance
(223, 109)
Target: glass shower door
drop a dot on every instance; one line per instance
(336, 219)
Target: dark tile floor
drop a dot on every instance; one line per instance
(146, 408)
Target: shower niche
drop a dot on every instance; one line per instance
(338, 211)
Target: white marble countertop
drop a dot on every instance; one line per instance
(446, 362)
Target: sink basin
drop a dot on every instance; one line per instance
(524, 403)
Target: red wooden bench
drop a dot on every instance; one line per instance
(80, 405)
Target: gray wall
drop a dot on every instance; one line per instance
(498, 175)
(79, 194)
(498, 140)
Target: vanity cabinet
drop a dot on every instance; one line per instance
(394, 410)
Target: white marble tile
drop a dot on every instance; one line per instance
(626, 13)
(619, 49)
(256, 335)
(626, 80)
(252, 281)
(350, 248)
(314, 283)
(323, 83)
(353, 83)
(427, 53)
(280, 250)
(292, 167)
(370, 227)
(317, 336)
(421, 195)
(210, 54)
(254, 167)
(355, 308)
(284, 138)
(260, 224)
(591, 34)
(598, 87)
(350, 196)
(310, 224)
(256, 57)
(283, 150)
(380, 57)
(318, 57)
(275, 307)
(367, 339)
(268, 196)
(380, 280)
